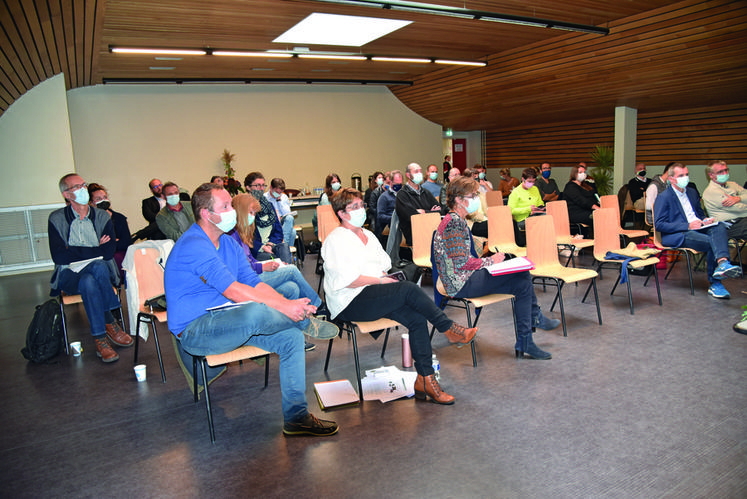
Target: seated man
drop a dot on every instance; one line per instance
(485, 185)
(524, 202)
(80, 232)
(546, 185)
(207, 268)
(680, 219)
(431, 183)
(150, 208)
(726, 201)
(386, 203)
(413, 199)
(267, 222)
(638, 185)
(279, 200)
(176, 217)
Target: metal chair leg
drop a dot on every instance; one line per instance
(203, 369)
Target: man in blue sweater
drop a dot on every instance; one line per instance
(82, 244)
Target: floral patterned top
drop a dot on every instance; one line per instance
(452, 246)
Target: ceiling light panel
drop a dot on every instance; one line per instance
(333, 29)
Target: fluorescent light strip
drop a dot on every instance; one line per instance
(124, 50)
(333, 57)
(401, 59)
(460, 63)
(269, 55)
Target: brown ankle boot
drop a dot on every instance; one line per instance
(117, 336)
(427, 386)
(460, 334)
(104, 350)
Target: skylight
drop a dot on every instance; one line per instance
(333, 29)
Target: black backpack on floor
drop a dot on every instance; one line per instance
(44, 336)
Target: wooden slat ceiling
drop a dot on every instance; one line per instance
(41, 38)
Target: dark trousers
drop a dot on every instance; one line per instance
(482, 283)
(407, 304)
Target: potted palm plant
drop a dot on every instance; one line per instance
(604, 158)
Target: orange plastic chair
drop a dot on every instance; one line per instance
(612, 201)
(493, 198)
(501, 231)
(423, 226)
(606, 238)
(543, 253)
(558, 210)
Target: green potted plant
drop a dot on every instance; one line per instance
(232, 185)
(604, 158)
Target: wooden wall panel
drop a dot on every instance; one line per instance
(692, 136)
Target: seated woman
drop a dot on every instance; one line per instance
(269, 231)
(358, 289)
(580, 196)
(331, 185)
(508, 183)
(99, 197)
(377, 181)
(464, 276)
(285, 279)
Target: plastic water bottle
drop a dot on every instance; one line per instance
(436, 367)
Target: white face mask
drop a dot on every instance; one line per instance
(581, 176)
(227, 220)
(357, 217)
(682, 181)
(335, 186)
(249, 219)
(417, 178)
(172, 200)
(379, 181)
(473, 204)
(433, 175)
(275, 194)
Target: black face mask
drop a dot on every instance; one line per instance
(396, 187)
(103, 205)
(642, 173)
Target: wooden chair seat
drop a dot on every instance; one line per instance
(501, 231)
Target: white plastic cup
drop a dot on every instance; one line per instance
(140, 373)
(406, 353)
(76, 347)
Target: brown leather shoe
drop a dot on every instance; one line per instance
(104, 350)
(427, 386)
(117, 336)
(460, 334)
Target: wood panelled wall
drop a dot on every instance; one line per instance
(692, 136)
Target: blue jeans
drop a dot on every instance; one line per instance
(261, 326)
(281, 251)
(289, 282)
(289, 234)
(407, 304)
(519, 284)
(713, 241)
(94, 285)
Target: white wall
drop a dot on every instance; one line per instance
(36, 146)
(123, 135)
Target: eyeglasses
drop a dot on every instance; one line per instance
(356, 206)
(258, 186)
(154, 186)
(472, 196)
(76, 187)
(721, 172)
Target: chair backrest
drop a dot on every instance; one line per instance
(327, 220)
(542, 248)
(657, 234)
(606, 234)
(611, 201)
(558, 210)
(423, 225)
(493, 198)
(500, 226)
(149, 274)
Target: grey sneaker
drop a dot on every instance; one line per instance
(308, 346)
(321, 329)
(311, 425)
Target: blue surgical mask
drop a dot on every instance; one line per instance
(546, 174)
(227, 220)
(335, 186)
(417, 178)
(81, 196)
(172, 200)
(275, 194)
(357, 217)
(723, 178)
(473, 205)
(249, 219)
(433, 175)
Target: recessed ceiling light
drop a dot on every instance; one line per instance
(333, 29)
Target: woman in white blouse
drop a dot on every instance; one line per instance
(357, 289)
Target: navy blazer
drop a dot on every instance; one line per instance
(670, 217)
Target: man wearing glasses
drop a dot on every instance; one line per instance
(150, 208)
(725, 200)
(82, 244)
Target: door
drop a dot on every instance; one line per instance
(459, 154)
